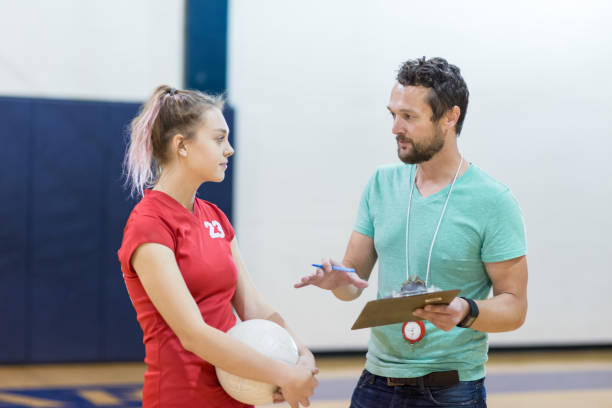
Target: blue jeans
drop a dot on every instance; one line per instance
(372, 391)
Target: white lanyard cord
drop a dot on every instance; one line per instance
(437, 227)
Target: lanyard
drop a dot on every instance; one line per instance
(437, 227)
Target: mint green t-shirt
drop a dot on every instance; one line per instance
(482, 223)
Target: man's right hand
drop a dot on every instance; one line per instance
(327, 278)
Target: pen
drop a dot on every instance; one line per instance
(335, 268)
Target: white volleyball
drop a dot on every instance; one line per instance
(269, 339)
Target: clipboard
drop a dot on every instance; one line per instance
(399, 309)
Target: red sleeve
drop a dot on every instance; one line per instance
(141, 230)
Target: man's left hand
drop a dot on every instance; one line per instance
(445, 317)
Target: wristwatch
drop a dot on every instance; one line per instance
(472, 314)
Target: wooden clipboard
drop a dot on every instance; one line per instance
(399, 309)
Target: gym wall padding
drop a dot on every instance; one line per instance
(14, 213)
(62, 297)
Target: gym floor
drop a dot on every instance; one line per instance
(557, 379)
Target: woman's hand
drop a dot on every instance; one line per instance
(299, 385)
(306, 360)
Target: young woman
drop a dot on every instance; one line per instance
(181, 263)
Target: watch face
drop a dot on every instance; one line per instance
(413, 331)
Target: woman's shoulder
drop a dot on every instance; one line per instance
(146, 224)
(149, 212)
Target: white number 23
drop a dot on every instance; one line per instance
(214, 228)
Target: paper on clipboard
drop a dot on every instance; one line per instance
(399, 309)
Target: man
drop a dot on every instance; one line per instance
(443, 219)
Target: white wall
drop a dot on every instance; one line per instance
(310, 81)
(96, 49)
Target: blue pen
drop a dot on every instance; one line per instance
(335, 268)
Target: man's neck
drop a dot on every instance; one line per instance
(440, 168)
(439, 171)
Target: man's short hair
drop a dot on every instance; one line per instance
(446, 85)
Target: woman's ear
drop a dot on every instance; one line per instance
(179, 145)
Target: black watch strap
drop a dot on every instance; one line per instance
(472, 313)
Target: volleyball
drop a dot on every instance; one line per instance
(269, 339)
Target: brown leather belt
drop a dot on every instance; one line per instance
(436, 379)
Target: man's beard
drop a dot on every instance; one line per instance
(422, 152)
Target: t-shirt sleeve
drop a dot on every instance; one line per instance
(142, 230)
(364, 223)
(504, 235)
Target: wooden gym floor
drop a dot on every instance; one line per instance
(514, 380)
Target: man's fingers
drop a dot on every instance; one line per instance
(438, 309)
(440, 320)
(305, 281)
(424, 315)
(355, 280)
(327, 264)
(310, 279)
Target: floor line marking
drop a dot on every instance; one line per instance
(29, 401)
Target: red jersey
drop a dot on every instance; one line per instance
(200, 241)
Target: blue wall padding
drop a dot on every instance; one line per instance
(62, 297)
(68, 155)
(14, 239)
(116, 302)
